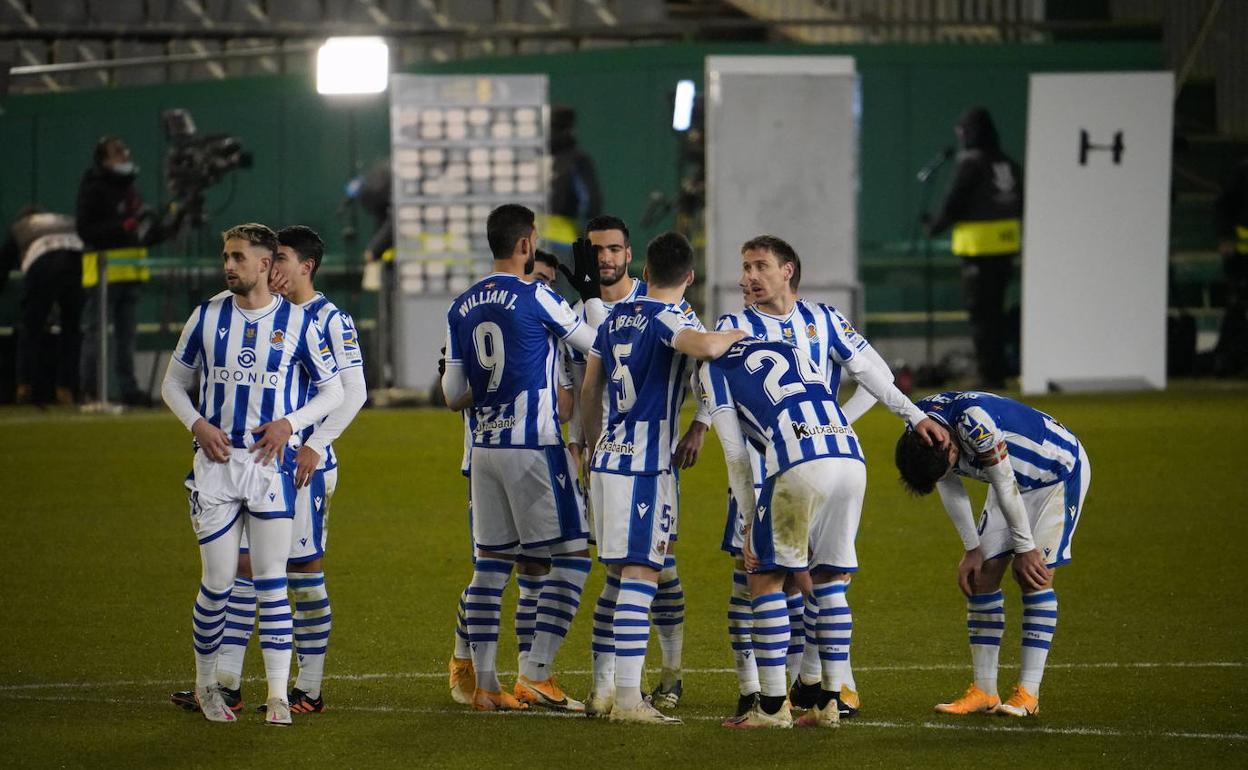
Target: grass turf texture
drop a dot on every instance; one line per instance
(1148, 664)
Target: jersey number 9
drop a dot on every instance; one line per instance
(487, 339)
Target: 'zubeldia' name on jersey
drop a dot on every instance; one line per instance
(625, 321)
(496, 297)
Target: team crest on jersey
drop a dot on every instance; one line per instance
(251, 332)
(788, 332)
(276, 339)
(247, 358)
(812, 333)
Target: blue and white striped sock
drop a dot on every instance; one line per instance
(275, 631)
(312, 621)
(207, 625)
(240, 621)
(632, 633)
(740, 621)
(1039, 625)
(797, 635)
(530, 588)
(985, 625)
(669, 616)
(771, 641)
(812, 668)
(462, 650)
(482, 613)
(834, 632)
(557, 604)
(602, 645)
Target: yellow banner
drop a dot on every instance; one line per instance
(124, 266)
(987, 238)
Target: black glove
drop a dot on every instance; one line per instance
(442, 361)
(584, 273)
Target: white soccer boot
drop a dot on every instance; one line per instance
(644, 713)
(212, 704)
(277, 712)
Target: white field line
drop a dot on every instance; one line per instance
(851, 725)
(584, 672)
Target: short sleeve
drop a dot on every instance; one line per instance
(190, 349)
(670, 322)
(555, 314)
(315, 355)
(713, 387)
(344, 341)
(846, 342)
(978, 432)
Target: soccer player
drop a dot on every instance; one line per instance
(608, 237)
(502, 354)
(532, 565)
(299, 256)
(643, 349)
(251, 350)
(771, 274)
(1038, 476)
(810, 503)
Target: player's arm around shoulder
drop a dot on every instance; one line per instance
(702, 345)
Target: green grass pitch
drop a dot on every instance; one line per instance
(1149, 666)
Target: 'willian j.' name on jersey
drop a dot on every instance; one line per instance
(488, 297)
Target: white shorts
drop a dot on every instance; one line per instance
(808, 516)
(1053, 512)
(221, 491)
(734, 527)
(635, 515)
(525, 499)
(310, 529)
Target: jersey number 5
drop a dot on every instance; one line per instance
(487, 339)
(622, 377)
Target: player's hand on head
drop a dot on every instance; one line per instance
(306, 460)
(932, 433)
(212, 440)
(1031, 571)
(689, 446)
(272, 439)
(969, 570)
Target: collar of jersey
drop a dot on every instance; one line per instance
(504, 275)
(277, 302)
(781, 319)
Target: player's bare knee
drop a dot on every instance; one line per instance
(822, 576)
(244, 565)
(315, 565)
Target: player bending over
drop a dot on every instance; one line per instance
(1039, 475)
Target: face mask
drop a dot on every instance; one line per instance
(125, 169)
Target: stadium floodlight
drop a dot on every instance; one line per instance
(682, 109)
(352, 65)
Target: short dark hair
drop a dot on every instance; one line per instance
(505, 226)
(254, 233)
(102, 144)
(546, 258)
(669, 259)
(607, 222)
(305, 242)
(785, 254)
(921, 466)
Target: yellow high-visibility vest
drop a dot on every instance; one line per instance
(986, 238)
(124, 266)
(558, 229)
(1241, 239)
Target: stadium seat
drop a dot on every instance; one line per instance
(130, 12)
(65, 51)
(60, 12)
(135, 76)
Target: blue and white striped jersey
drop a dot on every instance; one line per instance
(596, 310)
(819, 330)
(646, 383)
(344, 343)
(783, 402)
(505, 332)
(251, 363)
(1042, 451)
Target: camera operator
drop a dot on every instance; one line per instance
(47, 249)
(114, 222)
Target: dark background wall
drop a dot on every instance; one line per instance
(306, 146)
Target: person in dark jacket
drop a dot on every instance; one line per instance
(575, 196)
(47, 249)
(113, 220)
(984, 208)
(1231, 354)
